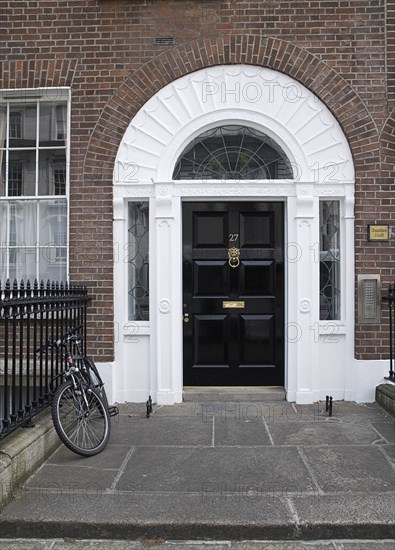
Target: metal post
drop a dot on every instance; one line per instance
(391, 300)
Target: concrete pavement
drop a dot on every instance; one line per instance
(224, 471)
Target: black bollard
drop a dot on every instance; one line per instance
(149, 406)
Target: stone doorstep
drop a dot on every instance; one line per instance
(220, 394)
(23, 451)
(385, 397)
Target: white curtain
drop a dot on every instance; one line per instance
(3, 129)
(3, 241)
(53, 239)
(3, 205)
(23, 233)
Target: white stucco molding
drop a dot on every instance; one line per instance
(258, 97)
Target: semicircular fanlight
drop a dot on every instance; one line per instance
(235, 153)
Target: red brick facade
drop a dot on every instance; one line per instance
(343, 51)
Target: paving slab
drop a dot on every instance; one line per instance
(363, 545)
(320, 433)
(161, 431)
(349, 516)
(179, 409)
(56, 477)
(196, 469)
(112, 458)
(159, 515)
(386, 430)
(164, 431)
(98, 545)
(23, 545)
(389, 451)
(283, 545)
(244, 432)
(350, 468)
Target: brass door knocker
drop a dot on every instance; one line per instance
(234, 257)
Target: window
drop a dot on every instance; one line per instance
(329, 260)
(15, 179)
(233, 152)
(33, 184)
(59, 178)
(61, 122)
(138, 288)
(15, 125)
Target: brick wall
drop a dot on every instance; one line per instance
(105, 50)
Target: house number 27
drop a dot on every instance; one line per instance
(233, 237)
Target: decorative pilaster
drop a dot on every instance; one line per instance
(348, 265)
(307, 292)
(167, 289)
(120, 290)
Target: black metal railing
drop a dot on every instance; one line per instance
(391, 305)
(30, 316)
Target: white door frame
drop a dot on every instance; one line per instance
(318, 150)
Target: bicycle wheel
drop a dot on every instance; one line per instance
(84, 429)
(95, 379)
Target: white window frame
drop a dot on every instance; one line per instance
(23, 96)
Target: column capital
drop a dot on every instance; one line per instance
(118, 209)
(305, 200)
(164, 200)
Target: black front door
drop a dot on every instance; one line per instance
(233, 298)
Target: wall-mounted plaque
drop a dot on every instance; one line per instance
(378, 232)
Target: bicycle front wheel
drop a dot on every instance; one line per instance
(82, 425)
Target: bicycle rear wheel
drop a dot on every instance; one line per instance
(95, 379)
(83, 428)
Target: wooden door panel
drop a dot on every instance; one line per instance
(256, 340)
(257, 230)
(211, 334)
(257, 278)
(211, 278)
(210, 229)
(241, 344)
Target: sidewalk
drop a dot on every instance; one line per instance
(222, 471)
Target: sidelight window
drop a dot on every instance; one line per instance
(138, 261)
(330, 292)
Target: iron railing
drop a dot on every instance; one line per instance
(30, 316)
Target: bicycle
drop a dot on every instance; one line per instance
(80, 410)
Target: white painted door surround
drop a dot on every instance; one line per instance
(148, 354)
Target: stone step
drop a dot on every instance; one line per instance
(385, 396)
(237, 394)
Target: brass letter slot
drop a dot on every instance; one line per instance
(228, 305)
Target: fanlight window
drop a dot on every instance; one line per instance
(235, 153)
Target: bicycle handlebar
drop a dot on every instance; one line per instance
(60, 342)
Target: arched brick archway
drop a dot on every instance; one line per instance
(387, 141)
(286, 57)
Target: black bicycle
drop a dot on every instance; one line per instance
(80, 410)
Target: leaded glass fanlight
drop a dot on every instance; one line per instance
(235, 153)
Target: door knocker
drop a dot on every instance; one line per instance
(234, 257)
